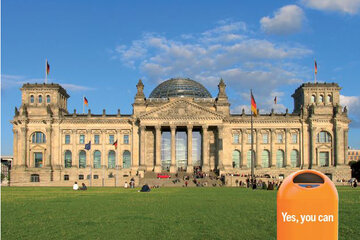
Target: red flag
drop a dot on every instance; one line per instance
(115, 144)
(253, 105)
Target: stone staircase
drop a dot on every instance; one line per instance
(151, 179)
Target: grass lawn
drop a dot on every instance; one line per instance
(165, 213)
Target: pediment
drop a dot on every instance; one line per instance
(182, 109)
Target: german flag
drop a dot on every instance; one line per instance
(86, 101)
(315, 67)
(47, 68)
(115, 144)
(253, 105)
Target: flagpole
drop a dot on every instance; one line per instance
(83, 104)
(252, 145)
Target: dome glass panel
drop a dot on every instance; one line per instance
(180, 87)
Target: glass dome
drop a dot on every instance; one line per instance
(180, 87)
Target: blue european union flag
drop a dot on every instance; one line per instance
(88, 146)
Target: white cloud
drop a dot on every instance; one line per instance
(352, 103)
(243, 61)
(344, 6)
(11, 81)
(286, 20)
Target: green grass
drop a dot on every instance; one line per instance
(166, 213)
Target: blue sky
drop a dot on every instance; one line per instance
(101, 48)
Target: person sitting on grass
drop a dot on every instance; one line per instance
(145, 188)
(75, 186)
(83, 187)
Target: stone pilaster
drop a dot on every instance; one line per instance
(189, 167)
(173, 148)
(287, 149)
(272, 148)
(257, 144)
(157, 168)
(118, 160)
(89, 156)
(313, 156)
(24, 161)
(48, 161)
(15, 148)
(243, 154)
(104, 154)
(75, 157)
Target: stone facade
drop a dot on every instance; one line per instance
(49, 141)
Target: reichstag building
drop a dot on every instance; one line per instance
(178, 127)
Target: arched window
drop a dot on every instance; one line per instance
(126, 159)
(280, 158)
(68, 159)
(38, 137)
(32, 99)
(236, 159)
(329, 98)
(249, 158)
(313, 98)
(82, 159)
(321, 98)
(111, 159)
(294, 158)
(48, 98)
(97, 159)
(40, 99)
(323, 137)
(265, 157)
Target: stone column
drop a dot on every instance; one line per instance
(272, 148)
(257, 154)
(142, 146)
(157, 168)
(48, 162)
(287, 151)
(205, 149)
(173, 153)
(301, 154)
(189, 167)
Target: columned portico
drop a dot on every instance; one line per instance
(157, 168)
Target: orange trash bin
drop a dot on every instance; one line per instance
(307, 207)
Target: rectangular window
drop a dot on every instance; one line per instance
(97, 139)
(35, 178)
(38, 159)
(67, 139)
(96, 176)
(294, 138)
(249, 137)
(280, 138)
(265, 138)
(81, 177)
(126, 139)
(324, 159)
(111, 139)
(236, 138)
(82, 139)
(66, 177)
